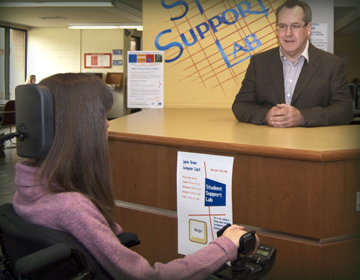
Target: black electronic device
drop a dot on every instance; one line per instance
(264, 255)
(35, 121)
(248, 266)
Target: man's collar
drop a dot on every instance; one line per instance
(305, 52)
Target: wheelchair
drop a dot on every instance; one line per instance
(32, 251)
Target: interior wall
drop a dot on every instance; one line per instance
(53, 50)
(348, 48)
(61, 50)
(101, 41)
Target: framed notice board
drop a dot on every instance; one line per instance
(97, 60)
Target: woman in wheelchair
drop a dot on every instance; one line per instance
(70, 188)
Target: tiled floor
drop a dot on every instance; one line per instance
(7, 172)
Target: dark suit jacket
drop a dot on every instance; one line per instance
(321, 94)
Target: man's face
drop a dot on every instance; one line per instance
(293, 42)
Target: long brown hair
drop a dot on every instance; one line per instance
(78, 159)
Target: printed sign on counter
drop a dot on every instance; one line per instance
(204, 198)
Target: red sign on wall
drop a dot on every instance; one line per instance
(97, 60)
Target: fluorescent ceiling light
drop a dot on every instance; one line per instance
(89, 26)
(138, 27)
(93, 27)
(57, 4)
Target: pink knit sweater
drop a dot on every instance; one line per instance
(75, 214)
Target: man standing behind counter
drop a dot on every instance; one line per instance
(295, 84)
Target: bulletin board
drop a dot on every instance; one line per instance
(97, 60)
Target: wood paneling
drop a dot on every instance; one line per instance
(312, 199)
(158, 234)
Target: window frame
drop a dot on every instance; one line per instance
(7, 57)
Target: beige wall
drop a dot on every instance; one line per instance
(53, 50)
(61, 50)
(350, 47)
(101, 41)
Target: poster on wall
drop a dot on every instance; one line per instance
(117, 56)
(319, 35)
(145, 79)
(97, 60)
(204, 198)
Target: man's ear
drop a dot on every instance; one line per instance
(309, 28)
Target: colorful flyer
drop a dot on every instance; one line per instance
(145, 80)
(204, 198)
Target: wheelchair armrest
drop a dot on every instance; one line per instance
(129, 239)
(62, 251)
(43, 258)
(50, 255)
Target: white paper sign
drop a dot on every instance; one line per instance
(145, 79)
(319, 35)
(204, 199)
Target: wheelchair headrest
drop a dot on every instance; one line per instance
(35, 120)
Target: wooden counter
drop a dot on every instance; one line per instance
(296, 186)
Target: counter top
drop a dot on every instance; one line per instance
(219, 129)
